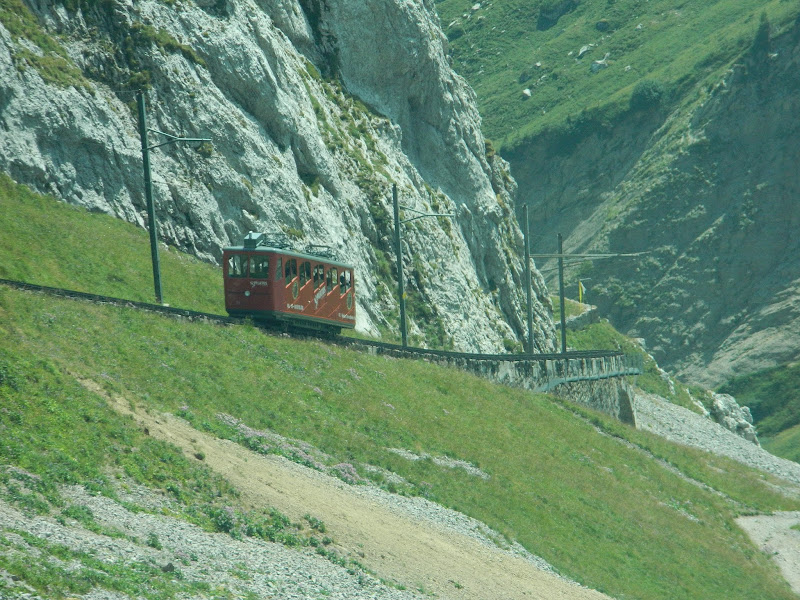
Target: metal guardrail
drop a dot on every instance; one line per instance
(555, 366)
(551, 383)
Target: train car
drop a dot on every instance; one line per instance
(269, 282)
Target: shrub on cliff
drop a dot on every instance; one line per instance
(648, 94)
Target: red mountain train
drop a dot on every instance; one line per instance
(269, 282)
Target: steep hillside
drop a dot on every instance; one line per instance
(145, 456)
(312, 116)
(681, 145)
(710, 197)
(552, 65)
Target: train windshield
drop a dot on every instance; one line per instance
(259, 267)
(237, 265)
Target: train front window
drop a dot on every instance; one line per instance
(259, 267)
(237, 265)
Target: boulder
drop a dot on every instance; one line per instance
(727, 412)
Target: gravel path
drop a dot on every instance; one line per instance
(774, 535)
(421, 545)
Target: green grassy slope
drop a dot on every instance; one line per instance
(501, 50)
(581, 490)
(786, 443)
(42, 244)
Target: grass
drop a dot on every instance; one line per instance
(614, 508)
(573, 308)
(683, 46)
(590, 501)
(786, 443)
(117, 264)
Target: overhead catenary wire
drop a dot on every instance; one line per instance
(566, 264)
(584, 257)
(565, 255)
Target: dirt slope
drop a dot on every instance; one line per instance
(396, 545)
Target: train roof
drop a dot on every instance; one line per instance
(258, 242)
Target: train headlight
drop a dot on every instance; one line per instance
(247, 293)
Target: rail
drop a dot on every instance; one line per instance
(552, 369)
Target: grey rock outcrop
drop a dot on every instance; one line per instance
(315, 109)
(727, 412)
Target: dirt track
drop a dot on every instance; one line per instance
(398, 547)
(774, 535)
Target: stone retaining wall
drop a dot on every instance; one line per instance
(598, 383)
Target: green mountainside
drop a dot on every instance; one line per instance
(666, 128)
(619, 510)
(653, 52)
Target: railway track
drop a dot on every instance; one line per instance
(373, 345)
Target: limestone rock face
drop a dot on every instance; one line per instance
(314, 110)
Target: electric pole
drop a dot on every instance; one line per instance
(398, 248)
(148, 187)
(529, 345)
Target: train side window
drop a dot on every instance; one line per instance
(291, 270)
(259, 267)
(278, 269)
(305, 273)
(344, 281)
(319, 276)
(331, 280)
(237, 265)
(348, 280)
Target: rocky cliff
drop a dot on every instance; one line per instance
(314, 107)
(709, 191)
